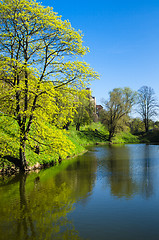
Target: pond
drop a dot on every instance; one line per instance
(110, 192)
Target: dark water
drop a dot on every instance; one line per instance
(111, 192)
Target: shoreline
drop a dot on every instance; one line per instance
(90, 138)
(13, 170)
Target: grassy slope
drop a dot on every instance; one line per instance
(88, 135)
(125, 137)
(9, 142)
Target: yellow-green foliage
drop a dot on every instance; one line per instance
(52, 142)
(67, 101)
(8, 136)
(35, 71)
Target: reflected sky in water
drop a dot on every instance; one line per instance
(111, 192)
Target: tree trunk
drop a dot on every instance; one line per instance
(77, 126)
(146, 126)
(23, 164)
(66, 125)
(146, 129)
(111, 134)
(110, 138)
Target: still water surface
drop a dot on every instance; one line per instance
(111, 192)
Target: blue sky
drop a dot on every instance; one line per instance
(123, 37)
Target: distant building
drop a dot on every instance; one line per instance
(98, 109)
(92, 99)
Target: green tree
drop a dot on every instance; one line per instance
(136, 125)
(65, 101)
(35, 45)
(117, 108)
(147, 105)
(84, 113)
(156, 125)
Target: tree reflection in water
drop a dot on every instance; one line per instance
(40, 203)
(114, 166)
(128, 169)
(24, 222)
(118, 163)
(38, 212)
(147, 180)
(38, 206)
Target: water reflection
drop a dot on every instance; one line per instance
(128, 169)
(116, 165)
(24, 222)
(38, 208)
(147, 178)
(38, 212)
(120, 180)
(80, 176)
(45, 205)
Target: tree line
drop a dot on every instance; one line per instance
(116, 114)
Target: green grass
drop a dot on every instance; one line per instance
(88, 135)
(125, 137)
(9, 143)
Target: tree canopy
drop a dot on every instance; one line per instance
(37, 62)
(147, 105)
(117, 108)
(85, 110)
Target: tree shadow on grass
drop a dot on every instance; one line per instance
(93, 135)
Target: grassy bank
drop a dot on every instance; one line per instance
(88, 135)
(125, 137)
(66, 143)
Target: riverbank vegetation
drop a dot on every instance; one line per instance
(63, 144)
(67, 143)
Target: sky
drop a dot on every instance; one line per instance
(123, 38)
